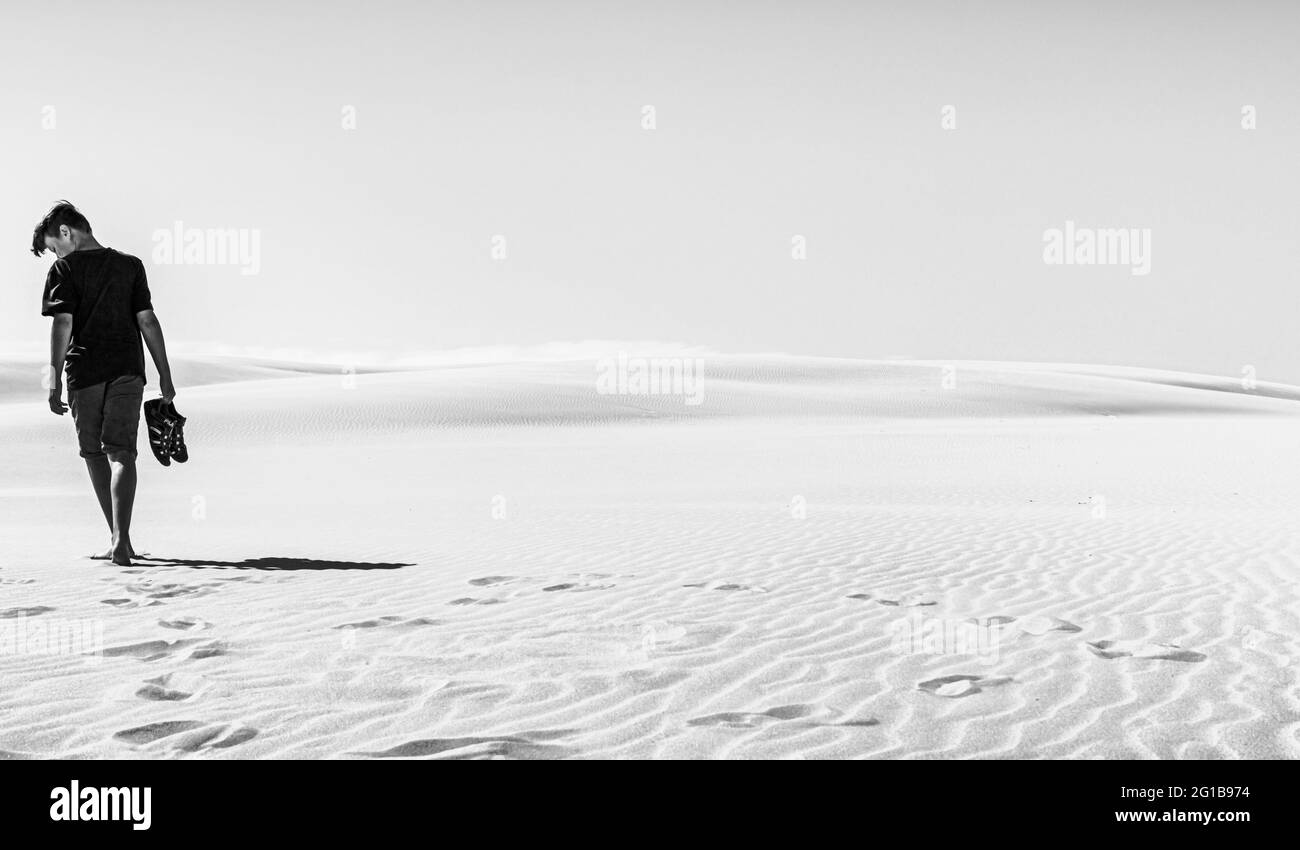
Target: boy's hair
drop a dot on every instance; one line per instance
(62, 213)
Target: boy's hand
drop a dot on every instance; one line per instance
(56, 400)
(168, 389)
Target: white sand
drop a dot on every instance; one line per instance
(628, 576)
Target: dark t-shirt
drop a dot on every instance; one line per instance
(103, 289)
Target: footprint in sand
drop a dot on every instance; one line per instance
(150, 650)
(173, 591)
(526, 745)
(158, 693)
(171, 687)
(185, 623)
(390, 620)
(155, 590)
(749, 720)
(211, 649)
(156, 731)
(14, 613)
(1112, 649)
(728, 586)
(576, 586)
(1040, 625)
(489, 581)
(470, 600)
(214, 737)
(953, 687)
(371, 624)
(996, 621)
(753, 720)
(241, 735)
(913, 601)
(130, 603)
(1036, 625)
(190, 735)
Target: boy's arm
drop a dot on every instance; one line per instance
(153, 337)
(60, 332)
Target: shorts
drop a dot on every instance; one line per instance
(108, 417)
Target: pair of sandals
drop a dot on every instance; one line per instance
(166, 431)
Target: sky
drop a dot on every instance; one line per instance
(424, 176)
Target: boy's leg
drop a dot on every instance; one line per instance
(123, 488)
(100, 476)
(87, 404)
(121, 424)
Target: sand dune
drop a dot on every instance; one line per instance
(20, 377)
(823, 558)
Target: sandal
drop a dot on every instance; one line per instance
(166, 432)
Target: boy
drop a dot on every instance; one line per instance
(99, 301)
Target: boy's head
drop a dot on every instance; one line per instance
(61, 231)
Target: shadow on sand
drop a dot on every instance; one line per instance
(263, 564)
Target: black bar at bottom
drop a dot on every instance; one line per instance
(325, 800)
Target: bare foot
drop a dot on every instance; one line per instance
(122, 556)
(107, 555)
